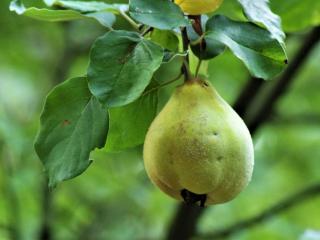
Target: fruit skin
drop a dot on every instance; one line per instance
(199, 143)
(198, 7)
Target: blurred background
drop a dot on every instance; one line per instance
(114, 199)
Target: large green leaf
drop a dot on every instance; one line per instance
(89, 6)
(105, 18)
(128, 125)
(204, 50)
(44, 14)
(261, 53)
(121, 67)
(296, 15)
(258, 11)
(73, 123)
(162, 14)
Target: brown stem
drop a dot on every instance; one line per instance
(196, 23)
(185, 221)
(45, 230)
(197, 27)
(145, 32)
(185, 67)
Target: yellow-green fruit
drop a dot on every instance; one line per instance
(199, 143)
(198, 7)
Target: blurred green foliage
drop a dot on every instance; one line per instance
(114, 199)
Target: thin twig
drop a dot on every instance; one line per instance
(146, 31)
(249, 91)
(162, 85)
(196, 23)
(185, 43)
(186, 70)
(280, 86)
(197, 27)
(277, 208)
(129, 20)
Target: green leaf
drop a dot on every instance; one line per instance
(104, 18)
(129, 124)
(166, 39)
(261, 53)
(121, 67)
(295, 15)
(258, 11)
(161, 14)
(45, 14)
(203, 50)
(208, 50)
(87, 6)
(72, 124)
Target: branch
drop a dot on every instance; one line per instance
(45, 229)
(249, 91)
(185, 67)
(280, 86)
(304, 118)
(186, 216)
(282, 206)
(184, 224)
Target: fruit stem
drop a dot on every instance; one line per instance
(162, 85)
(185, 68)
(129, 19)
(198, 67)
(146, 31)
(197, 27)
(186, 71)
(196, 23)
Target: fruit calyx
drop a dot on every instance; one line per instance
(191, 198)
(197, 80)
